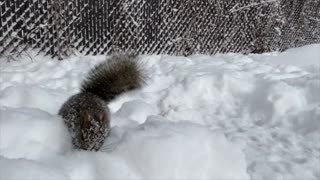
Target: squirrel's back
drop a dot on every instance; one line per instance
(86, 114)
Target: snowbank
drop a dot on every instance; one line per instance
(155, 149)
(227, 116)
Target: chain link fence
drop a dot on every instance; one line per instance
(180, 27)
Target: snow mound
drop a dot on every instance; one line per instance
(227, 116)
(155, 149)
(303, 56)
(166, 150)
(26, 169)
(31, 133)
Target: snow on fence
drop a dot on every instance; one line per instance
(182, 27)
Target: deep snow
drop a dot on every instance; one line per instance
(226, 116)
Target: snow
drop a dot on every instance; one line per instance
(227, 116)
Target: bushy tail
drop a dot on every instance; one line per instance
(109, 79)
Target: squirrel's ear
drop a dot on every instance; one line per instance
(85, 118)
(101, 116)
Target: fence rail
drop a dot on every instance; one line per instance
(182, 27)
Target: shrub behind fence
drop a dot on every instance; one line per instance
(182, 27)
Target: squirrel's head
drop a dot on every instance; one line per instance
(94, 129)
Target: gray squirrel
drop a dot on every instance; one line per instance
(86, 114)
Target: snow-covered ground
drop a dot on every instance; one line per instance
(203, 117)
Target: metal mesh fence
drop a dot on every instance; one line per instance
(182, 27)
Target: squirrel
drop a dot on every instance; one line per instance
(86, 114)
